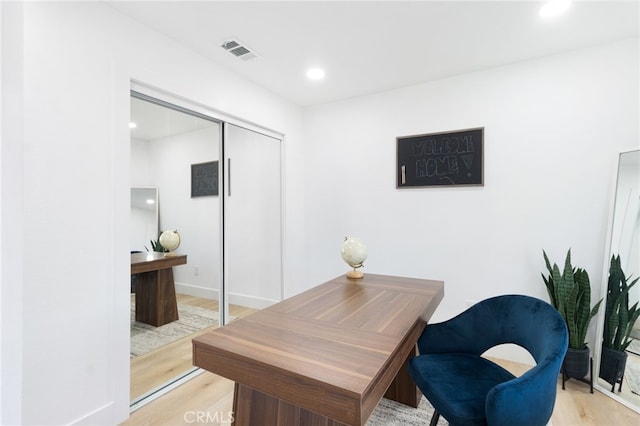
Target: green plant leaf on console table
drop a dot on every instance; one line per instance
(156, 246)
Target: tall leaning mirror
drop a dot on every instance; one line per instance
(618, 365)
(144, 218)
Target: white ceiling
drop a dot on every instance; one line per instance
(368, 47)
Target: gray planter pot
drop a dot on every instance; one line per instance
(612, 366)
(576, 363)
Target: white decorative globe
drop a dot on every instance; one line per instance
(354, 252)
(170, 240)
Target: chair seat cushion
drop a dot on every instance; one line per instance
(457, 384)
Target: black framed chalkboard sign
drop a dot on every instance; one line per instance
(204, 179)
(454, 158)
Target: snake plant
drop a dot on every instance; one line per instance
(618, 317)
(156, 246)
(570, 293)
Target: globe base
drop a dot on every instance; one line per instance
(355, 274)
(170, 254)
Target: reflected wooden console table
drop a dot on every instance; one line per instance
(326, 356)
(156, 302)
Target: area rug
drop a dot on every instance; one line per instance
(634, 347)
(632, 373)
(145, 338)
(391, 413)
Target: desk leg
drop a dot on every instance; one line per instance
(156, 302)
(403, 389)
(252, 407)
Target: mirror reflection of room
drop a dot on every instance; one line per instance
(177, 154)
(164, 144)
(619, 373)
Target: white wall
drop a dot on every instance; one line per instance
(552, 128)
(140, 168)
(79, 59)
(11, 211)
(196, 219)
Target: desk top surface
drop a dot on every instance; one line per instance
(340, 335)
(153, 261)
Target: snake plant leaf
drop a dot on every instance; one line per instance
(548, 282)
(619, 317)
(623, 320)
(611, 320)
(570, 293)
(584, 313)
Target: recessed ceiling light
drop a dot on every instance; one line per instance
(151, 201)
(554, 8)
(132, 125)
(315, 74)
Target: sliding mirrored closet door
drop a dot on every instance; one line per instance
(219, 185)
(177, 152)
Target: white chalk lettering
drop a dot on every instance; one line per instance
(437, 166)
(446, 145)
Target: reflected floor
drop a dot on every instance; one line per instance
(153, 369)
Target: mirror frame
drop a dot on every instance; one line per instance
(603, 290)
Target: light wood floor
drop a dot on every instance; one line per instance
(210, 396)
(151, 370)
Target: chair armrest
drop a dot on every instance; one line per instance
(527, 399)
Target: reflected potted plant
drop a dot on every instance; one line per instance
(619, 319)
(570, 293)
(156, 246)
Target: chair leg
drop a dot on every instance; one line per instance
(434, 418)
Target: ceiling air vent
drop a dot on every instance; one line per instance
(238, 49)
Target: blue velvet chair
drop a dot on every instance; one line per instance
(467, 389)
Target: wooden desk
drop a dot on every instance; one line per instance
(156, 302)
(325, 356)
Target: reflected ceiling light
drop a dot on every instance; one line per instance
(132, 125)
(315, 74)
(554, 8)
(151, 201)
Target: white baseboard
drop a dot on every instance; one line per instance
(197, 291)
(100, 416)
(250, 301)
(234, 298)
